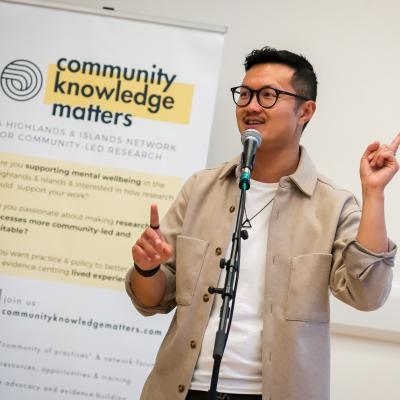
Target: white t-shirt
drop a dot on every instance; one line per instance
(240, 370)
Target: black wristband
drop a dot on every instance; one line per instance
(146, 273)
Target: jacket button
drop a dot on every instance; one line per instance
(181, 388)
(193, 344)
(206, 297)
(218, 251)
(232, 209)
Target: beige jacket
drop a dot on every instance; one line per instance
(311, 249)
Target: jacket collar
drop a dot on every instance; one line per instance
(231, 167)
(305, 177)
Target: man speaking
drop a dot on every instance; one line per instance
(306, 236)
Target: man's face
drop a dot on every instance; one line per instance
(279, 125)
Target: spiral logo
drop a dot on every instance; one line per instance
(21, 80)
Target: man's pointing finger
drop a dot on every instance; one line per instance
(154, 218)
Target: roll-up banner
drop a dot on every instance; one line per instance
(100, 116)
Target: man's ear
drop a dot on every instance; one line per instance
(306, 111)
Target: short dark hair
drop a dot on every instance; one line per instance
(304, 79)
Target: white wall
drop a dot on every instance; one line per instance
(354, 48)
(364, 369)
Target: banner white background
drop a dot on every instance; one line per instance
(68, 332)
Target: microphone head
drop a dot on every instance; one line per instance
(251, 134)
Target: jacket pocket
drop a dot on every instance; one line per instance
(308, 292)
(190, 255)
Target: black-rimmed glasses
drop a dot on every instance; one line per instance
(266, 96)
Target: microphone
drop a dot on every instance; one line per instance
(251, 140)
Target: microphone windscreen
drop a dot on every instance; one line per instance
(251, 134)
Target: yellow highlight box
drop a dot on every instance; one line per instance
(140, 99)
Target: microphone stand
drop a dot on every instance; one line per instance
(228, 292)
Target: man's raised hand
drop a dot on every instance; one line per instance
(151, 249)
(379, 164)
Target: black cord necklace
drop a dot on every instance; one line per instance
(246, 223)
